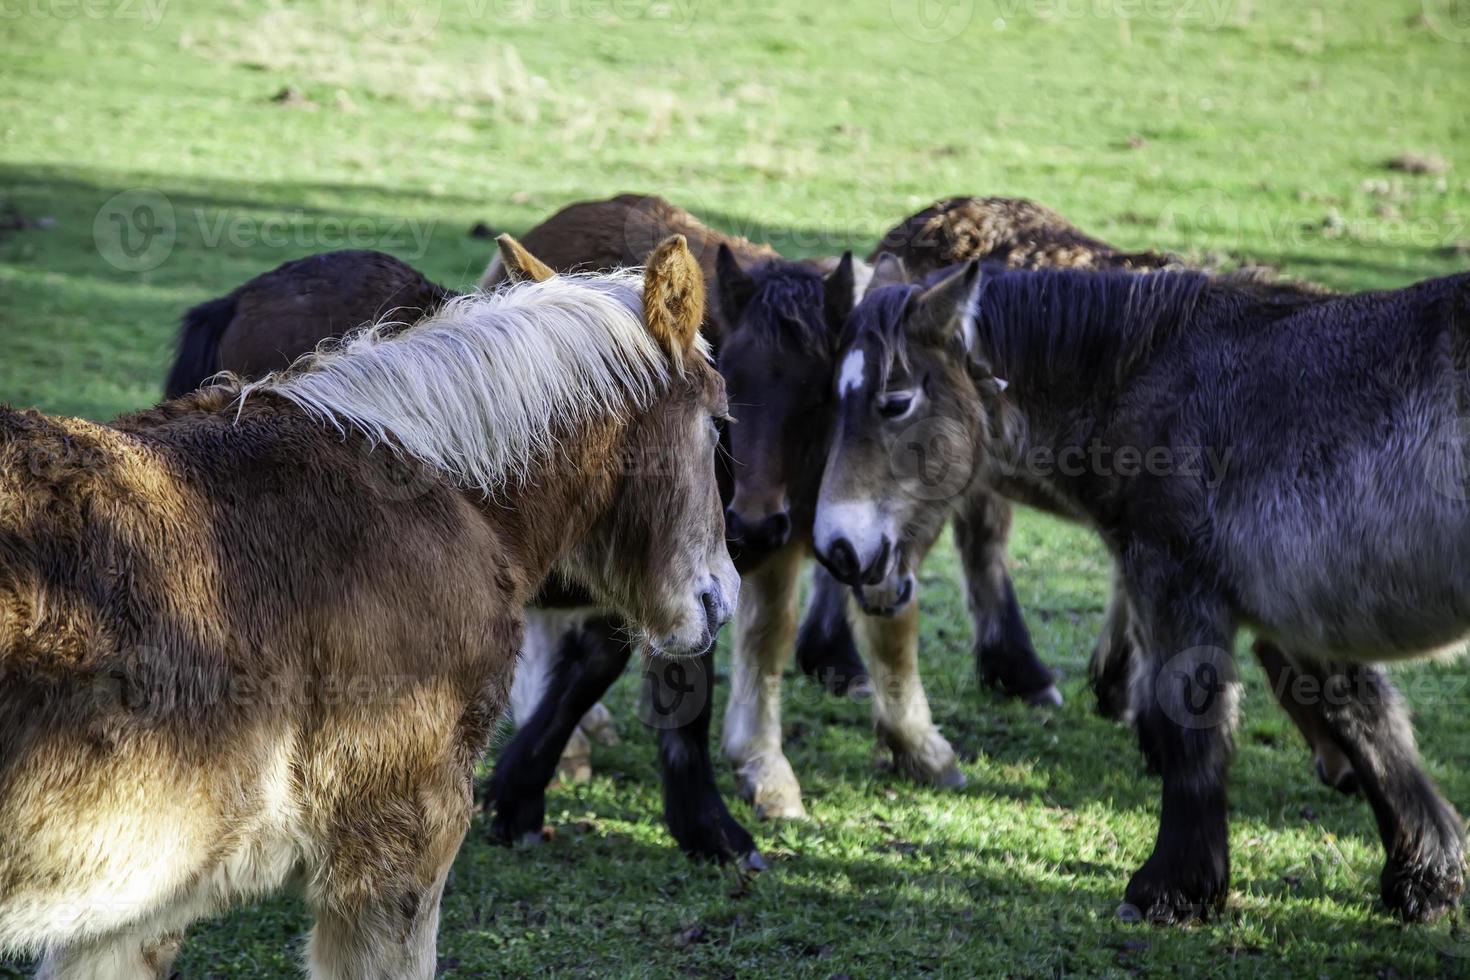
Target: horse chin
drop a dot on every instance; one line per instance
(681, 643)
(889, 597)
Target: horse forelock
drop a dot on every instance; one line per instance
(786, 310)
(484, 387)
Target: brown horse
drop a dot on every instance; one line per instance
(304, 302)
(257, 637)
(267, 321)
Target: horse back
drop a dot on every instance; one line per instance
(280, 315)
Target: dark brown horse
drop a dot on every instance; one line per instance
(257, 637)
(1293, 466)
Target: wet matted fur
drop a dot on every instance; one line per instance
(1292, 466)
(246, 644)
(1009, 231)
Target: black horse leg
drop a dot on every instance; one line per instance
(1186, 695)
(825, 649)
(1111, 668)
(1423, 837)
(1004, 656)
(678, 701)
(588, 660)
(1287, 686)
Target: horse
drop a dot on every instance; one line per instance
(258, 636)
(305, 302)
(288, 311)
(1018, 233)
(1292, 466)
(1008, 230)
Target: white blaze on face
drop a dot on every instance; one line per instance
(851, 377)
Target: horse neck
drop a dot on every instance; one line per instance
(544, 516)
(1067, 342)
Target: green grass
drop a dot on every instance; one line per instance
(1253, 131)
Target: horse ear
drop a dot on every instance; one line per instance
(888, 270)
(736, 287)
(673, 297)
(945, 311)
(520, 265)
(837, 293)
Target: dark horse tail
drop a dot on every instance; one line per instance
(198, 355)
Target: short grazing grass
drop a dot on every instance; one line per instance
(1258, 132)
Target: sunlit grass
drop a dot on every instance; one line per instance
(1251, 131)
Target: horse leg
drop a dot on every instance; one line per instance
(765, 626)
(678, 702)
(588, 661)
(125, 956)
(1111, 668)
(1423, 836)
(1332, 764)
(389, 932)
(825, 648)
(545, 631)
(1185, 696)
(1004, 656)
(901, 714)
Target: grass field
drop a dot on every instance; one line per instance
(242, 134)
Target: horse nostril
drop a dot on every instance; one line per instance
(712, 618)
(874, 573)
(843, 560)
(779, 528)
(734, 530)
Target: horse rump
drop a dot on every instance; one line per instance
(197, 358)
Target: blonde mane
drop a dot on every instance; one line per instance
(480, 389)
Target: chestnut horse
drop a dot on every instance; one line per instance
(258, 637)
(289, 310)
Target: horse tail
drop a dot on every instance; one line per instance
(198, 352)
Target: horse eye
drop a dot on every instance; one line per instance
(895, 406)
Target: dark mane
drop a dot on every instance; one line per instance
(1047, 323)
(1054, 323)
(785, 310)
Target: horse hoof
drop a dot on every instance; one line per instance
(950, 778)
(1423, 894)
(574, 770)
(770, 786)
(859, 689)
(1048, 698)
(752, 863)
(1161, 893)
(777, 807)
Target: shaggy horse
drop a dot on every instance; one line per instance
(774, 325)
(242, 650)
(288, 311)
(1295, 467)
(1007, 230)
